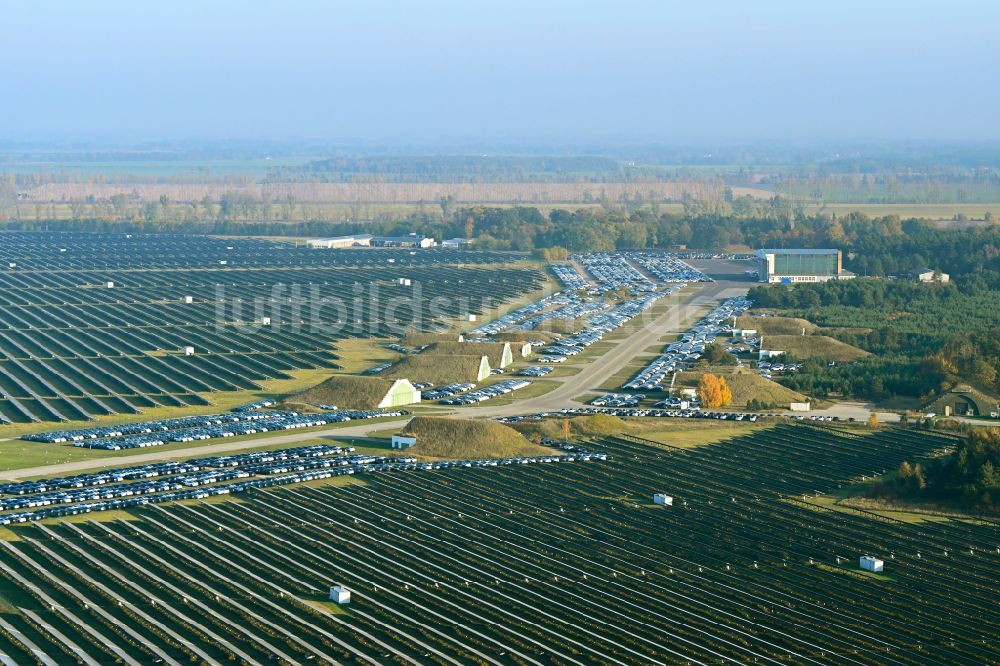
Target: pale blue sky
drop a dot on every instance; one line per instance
(547, 70)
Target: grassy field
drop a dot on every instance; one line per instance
(820, 346)
(776, 325)
(745, 384)
(357, 355)
(675, 432)
(467, 438)
(562, 370)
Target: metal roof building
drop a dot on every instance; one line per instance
(788, 266)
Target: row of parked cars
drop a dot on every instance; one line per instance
(573, 307)
(241, 481)
(639, 411)
(569, 276)
(514, 316)
(253, 406)
(268, 421)
(488, 392)
(160, 477)
(613, 272)
(600, 325)
(446, 391)
(689, 348)
(732, 256)
(534, 371)
(243, 414)
(679, 403)
(150, 471)
(666, 267)
(618, 400)
(194, 479)
(768, 370)
(253, 457)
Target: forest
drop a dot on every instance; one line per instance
(969, 477)
(924, 337)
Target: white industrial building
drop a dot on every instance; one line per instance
(403, 441)
(789, 266)
(869, 563)
(663, 500)
(930, 275)
(361, 240)
(455, 243)
(340, 594)
(368, 240)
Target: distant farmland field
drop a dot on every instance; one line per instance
(389, 192)
(929, 211)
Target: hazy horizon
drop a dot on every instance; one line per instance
(451, 72)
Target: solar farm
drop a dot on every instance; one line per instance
(97, 324)
(599, 549)
(558, 563)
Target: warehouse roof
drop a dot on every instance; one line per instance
(797, 251)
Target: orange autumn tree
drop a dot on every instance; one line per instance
(713, 391)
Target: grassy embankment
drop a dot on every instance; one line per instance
(678, 433)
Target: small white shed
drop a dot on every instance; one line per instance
(663, 500)
(189, 350)
(189, 299)
(470, 317)
(403, 441)
(869, 563)
(109, 284)
(799, 406)
(340, 594)
(265, 321)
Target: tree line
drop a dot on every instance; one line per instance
(970, 477)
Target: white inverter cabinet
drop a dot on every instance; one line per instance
(869, 563)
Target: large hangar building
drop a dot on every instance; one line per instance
(790, 266)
